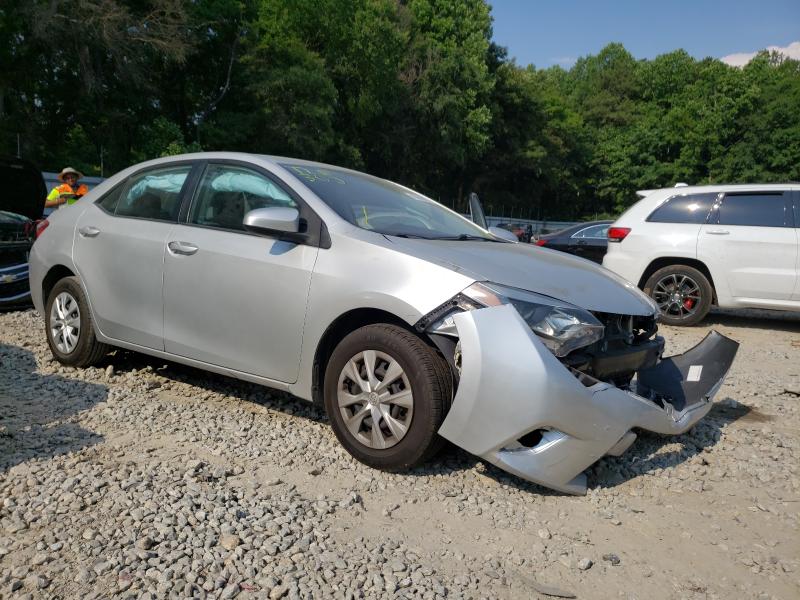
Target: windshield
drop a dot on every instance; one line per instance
(385, 207)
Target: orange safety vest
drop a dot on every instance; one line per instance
(65, 189)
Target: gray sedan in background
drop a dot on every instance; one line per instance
(408, 323)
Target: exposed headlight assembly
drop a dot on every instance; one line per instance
(562, 327)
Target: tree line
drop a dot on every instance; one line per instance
(412, 90)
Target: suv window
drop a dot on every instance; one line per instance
(797, 209)
(593, 232)
(227, 193)
(154, 194)
(754, 209)
(688, 208)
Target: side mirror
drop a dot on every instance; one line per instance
(503, 233)
(279, 221)
(476, 213)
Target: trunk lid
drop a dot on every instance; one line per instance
(24, 190)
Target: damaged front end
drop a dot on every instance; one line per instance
(546, 389)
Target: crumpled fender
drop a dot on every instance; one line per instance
(511, 385)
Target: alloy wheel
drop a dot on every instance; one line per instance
(677, 295)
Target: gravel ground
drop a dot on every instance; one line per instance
(143, 479)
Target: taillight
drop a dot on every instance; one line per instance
(541, 242)
(40, 227)
(617, 234)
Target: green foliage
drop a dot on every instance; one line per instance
(414, 91)
(160, 138)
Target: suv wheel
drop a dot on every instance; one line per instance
(70, 331)
(386, 395)
(683, 294)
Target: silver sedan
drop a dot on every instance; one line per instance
(410, 324)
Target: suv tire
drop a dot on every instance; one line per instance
(683, 294)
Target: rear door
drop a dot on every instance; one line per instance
(119, 251)
(750, 246)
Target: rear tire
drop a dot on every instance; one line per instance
(683, 294)
(69, 326)
(387, 373)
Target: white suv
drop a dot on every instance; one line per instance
(734, 246)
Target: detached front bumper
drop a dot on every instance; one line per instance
(521, 409)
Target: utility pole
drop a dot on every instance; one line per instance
(19, 148)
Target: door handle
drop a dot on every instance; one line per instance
(718, 232)
(184, 248)
(89, 231)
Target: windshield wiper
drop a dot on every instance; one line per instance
(465, 237)
(410, 236)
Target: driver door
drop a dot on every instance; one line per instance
(232, 298)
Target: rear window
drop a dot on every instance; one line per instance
(755, 210)
(593, 232)
(688, 208)
(154, 194)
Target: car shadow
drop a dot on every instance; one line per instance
(645, 455)
(125, 361)
(752, 318)
(36, 410)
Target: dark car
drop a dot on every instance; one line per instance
(587, 240)
(21, 205)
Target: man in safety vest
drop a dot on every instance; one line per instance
(69, 191)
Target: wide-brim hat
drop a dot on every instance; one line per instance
(69, 171)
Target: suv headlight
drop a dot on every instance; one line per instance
(562, 327)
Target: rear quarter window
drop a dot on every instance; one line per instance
(686, 208)
(108, 202)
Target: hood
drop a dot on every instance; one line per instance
(548, 272)
(24, 191)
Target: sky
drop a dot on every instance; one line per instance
(558, 32)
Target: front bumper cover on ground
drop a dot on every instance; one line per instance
(512, 385)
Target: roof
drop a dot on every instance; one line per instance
(724, 187)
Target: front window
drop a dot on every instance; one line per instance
(227, 193)
(384, 207)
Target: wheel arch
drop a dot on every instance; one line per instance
(666, 261)
(339, 329)
(54, 275)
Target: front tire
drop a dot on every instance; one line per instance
(386, 395)
(69, 326)
(683, 294)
